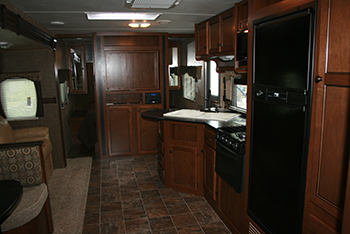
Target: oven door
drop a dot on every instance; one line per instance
(229, 166)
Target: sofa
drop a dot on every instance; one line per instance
(9, 135)
(23, 162)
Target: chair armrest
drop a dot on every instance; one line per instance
(31, 134)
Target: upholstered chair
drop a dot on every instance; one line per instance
(24, 162)
(9, 135)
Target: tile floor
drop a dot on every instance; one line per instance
(126, 196)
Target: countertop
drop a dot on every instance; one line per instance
(157, 114)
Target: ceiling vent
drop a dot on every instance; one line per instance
(151, 4)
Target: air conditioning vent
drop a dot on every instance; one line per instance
(151, 4)
(253, 229)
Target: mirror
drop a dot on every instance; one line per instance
(76, 64)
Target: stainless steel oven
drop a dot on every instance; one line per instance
(230, 152)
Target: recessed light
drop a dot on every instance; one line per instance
(121, 16)
(57, 23)
(164, 21)
(139, 25)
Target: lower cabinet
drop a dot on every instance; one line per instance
(183, 156)
(146, 131)
(230, 206)
(119, 134)
(183, 174)
(128, 133)
(209, 174)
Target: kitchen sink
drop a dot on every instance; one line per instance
(199, 115)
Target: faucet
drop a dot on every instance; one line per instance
(216, 104)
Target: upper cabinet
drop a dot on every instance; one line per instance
(217, 37)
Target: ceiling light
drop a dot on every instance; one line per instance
(164, 21)
(57, 23)
(155, 4)
(121, 16)
(139, 25)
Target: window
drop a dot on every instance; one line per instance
(213, 85)
(20, 96)
(239, 97)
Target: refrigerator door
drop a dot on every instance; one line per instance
(276, 166)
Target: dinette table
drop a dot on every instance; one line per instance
(10, 195)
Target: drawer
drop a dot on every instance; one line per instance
(209, 137)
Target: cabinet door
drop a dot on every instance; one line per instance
(201, 39)
(182, 175)
(228, 31)
(209, 171)
(147, 133)
(214, 36)
(231, 206)
(330, 135)
(119, 130)
(127, 70)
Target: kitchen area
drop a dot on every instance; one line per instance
(254, 158)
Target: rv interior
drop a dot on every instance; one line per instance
(195, 116)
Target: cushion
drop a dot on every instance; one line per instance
(30, 206)
(22, 164)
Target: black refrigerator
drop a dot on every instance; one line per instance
(281, 109)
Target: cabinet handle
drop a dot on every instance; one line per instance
(318, 79)
(219, 44)
(171, 151)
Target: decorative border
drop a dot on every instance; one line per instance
(33, 76)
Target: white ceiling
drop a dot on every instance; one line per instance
(71, 12)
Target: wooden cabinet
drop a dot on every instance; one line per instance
(201, 34)
(209, 173)
(183, 156)
(328, 193)
(128, 132)
(217, 35)
(129, 69)
(119, 120)
(230, 206)
(133, 70)
(147, 133)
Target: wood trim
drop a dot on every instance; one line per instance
(338, 79)
(346, 214)
(14, 22)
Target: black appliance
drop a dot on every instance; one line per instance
(153, 98)
(230, 152)
(281, 109)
